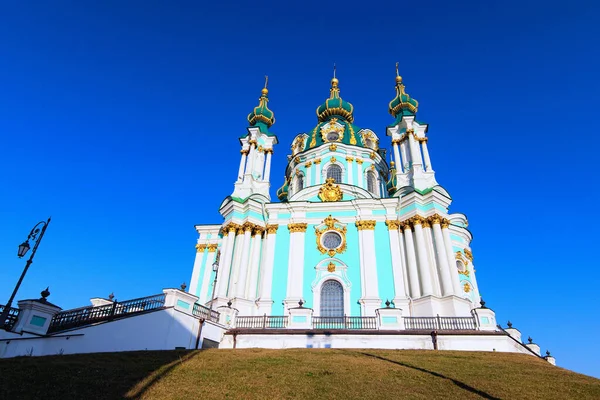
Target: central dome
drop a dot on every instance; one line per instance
(335, 106)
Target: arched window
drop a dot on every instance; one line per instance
(332, 299)
(372, 182)
(299, 183)
(460, 266)
(335, 172)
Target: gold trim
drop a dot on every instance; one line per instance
(352, 137)
(212, 247)
(331, 224)
(393, 225)
(330, 192)
(200, 248)
(366, 225)
(468, 254)
(272, 228)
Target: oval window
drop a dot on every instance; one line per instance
(333, 136)
(331, 240)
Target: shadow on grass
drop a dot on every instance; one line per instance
(460, 384)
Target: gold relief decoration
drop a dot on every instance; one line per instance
(313, 140)
(297, 160)
(416, 220)
(269, 151)
(445, 223)
(333, 159)
(426, 223)
(317, 161)
(248, 226)
(396, 141)
(467, 287)
(212, 247)
(333, 147)
(468, 254)
(231, 227)
(392, 225)
(252, 142)
(244, 152)
(405, 225)
(257, 230)
(308, 164)
(272, 228)
(359, 161)
(200, 248)
(366, 225)
(372, 156)
(331, 224)
(297, 227)
(331, 267)
(240, 230)
(260, 149)
(330, 192)
(349, 159)
(352, 137)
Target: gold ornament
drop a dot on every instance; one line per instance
(352, 137)
(308, 164)
(331, 224)
(333, 147)
(330, 192)
(445, 223)
(332, 127)
(297, 227)
(467, 287)
(435, 219)
(331, 267)
(366, 225)
(200, 248)
(359, 161)
(468, 254)
(349, 159)
(333, 159)
(317, 161)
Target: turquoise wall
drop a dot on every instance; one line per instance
(280, 269)
(204, 255)
(385, 275)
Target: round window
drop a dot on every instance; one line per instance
(331, 240)
(333, 136)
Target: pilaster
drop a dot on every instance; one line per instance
(295, 264)
(265, 301)
(370, 300)
(413, 277)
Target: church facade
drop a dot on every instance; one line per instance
(349, 233)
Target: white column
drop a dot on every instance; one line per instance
(359, 178)
(243, 264)
(205, 293)
(424, 268)
(295, 264)
(267, 173)
(411, 258)
(251, 157)
(266, 278)
(308, 177)
(404, 259)
(415, 154)
(252, 278)
(451, 259)
(405, 160)
(397, 156)
(426, 156)
(349, 161)
(397, 264)
(433, 265)
(225, 262)
(242, 164)
(442, 258)
(200, 248)
(368, 267)
(317, 172)
(235, 262)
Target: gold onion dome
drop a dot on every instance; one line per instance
(261, 116)
(334, 105)
(402, 104)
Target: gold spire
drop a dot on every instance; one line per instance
(265, 91)
(334, 81)
(398, 77)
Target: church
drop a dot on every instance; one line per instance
(349, 233)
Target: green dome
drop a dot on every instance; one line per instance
(392, 184)
(402, 104)
(261, 116)
(335, 106)
(283, 191)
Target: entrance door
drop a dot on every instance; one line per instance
(332, 299)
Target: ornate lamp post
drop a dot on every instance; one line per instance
(215, 268)
(36, 235)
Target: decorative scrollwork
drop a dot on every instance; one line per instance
(331, 224)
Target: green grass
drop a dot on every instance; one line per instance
(292, 374)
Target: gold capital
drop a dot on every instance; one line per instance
(393, 225)
(366, 225)
(200, 248)
(297, 227)
(212, 247)
(435, 219)
(445, 223)
(244, 152)
(308, 164)
(317, 161)
(359, 161)
(349, 159)
(248, 226)
(272, 228)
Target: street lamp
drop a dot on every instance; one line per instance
(215, 268)
(36, 235)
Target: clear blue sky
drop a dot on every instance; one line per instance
(120, 119)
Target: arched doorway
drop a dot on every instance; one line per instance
(332, 299)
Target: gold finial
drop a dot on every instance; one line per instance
(334, 81)
(398, 77)
(392, 164)
(265, 91)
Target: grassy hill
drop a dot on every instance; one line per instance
(291, 374)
